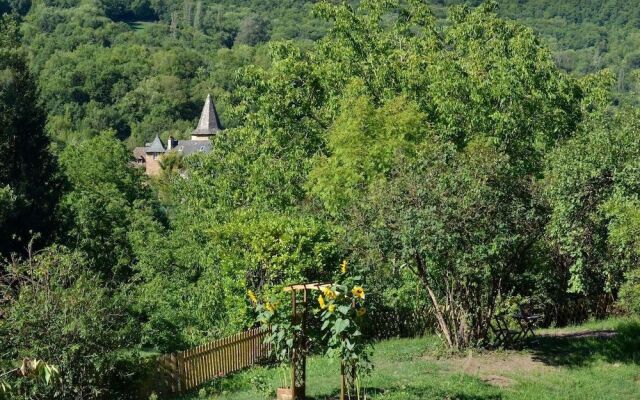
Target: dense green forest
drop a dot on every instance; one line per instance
(584, 36)
(461, 160)
(143, 68)
(111, 64)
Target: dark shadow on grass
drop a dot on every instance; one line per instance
(438, 393)
(581, 349)
(336, 394)
(413, 392)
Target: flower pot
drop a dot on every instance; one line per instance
(284, 394)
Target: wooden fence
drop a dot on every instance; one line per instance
(187, 369)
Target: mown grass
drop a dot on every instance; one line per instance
(560, 364)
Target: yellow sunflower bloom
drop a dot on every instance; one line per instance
(332, 308)
(328, 293)
(270, 307)
(252, 296)
(323, 305)
(343, 267)
(361, 311)
(358, 291)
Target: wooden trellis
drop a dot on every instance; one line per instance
(299, 354)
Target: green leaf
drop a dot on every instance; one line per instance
(325, 325)
(340, 325)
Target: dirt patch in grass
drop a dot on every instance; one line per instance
(602, 334)
(497, 367)
(492, 367)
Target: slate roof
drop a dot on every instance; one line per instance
(209, 123)
(156, 146)
(187, 147)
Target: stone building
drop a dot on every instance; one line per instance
(152, 153)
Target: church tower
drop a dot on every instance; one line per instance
(151, 154)
(209, 123)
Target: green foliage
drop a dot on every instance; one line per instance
(34, 369)
(192, 280)
(429, 164)
(425, 168)
(56, 310)
(451, 160)
(28, 171)
(364, 144)
(343, 315)
(85, 56)
(106, 196)
(275, 314)
(591, 185)
(253, 30)
(7, 201)
(630, 292)
(585, 37)
(147, 76)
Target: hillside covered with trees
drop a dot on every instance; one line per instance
(111, 64)
(460, 163)
(584, 36)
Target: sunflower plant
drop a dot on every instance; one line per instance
(343, 313)
(281, 331)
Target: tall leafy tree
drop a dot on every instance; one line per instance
(430, 161)
(27, 168)
(106, 196)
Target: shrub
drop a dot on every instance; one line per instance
(56, 311)
(630, 292)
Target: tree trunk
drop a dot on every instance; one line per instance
(422, 274)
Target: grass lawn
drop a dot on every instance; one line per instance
(597, 360)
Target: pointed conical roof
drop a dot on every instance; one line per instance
(156, 146)
(209, 122)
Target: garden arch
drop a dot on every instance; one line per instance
(298, 357)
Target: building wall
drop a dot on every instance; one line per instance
(152, 166)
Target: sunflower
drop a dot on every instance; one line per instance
(328, 293)
(332, 308)
(343, 267)
(252, 296)
(361, 311)
(271, 307)
(358, 291)
(323, 305)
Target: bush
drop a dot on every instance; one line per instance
(630, 292)
(56, 311)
